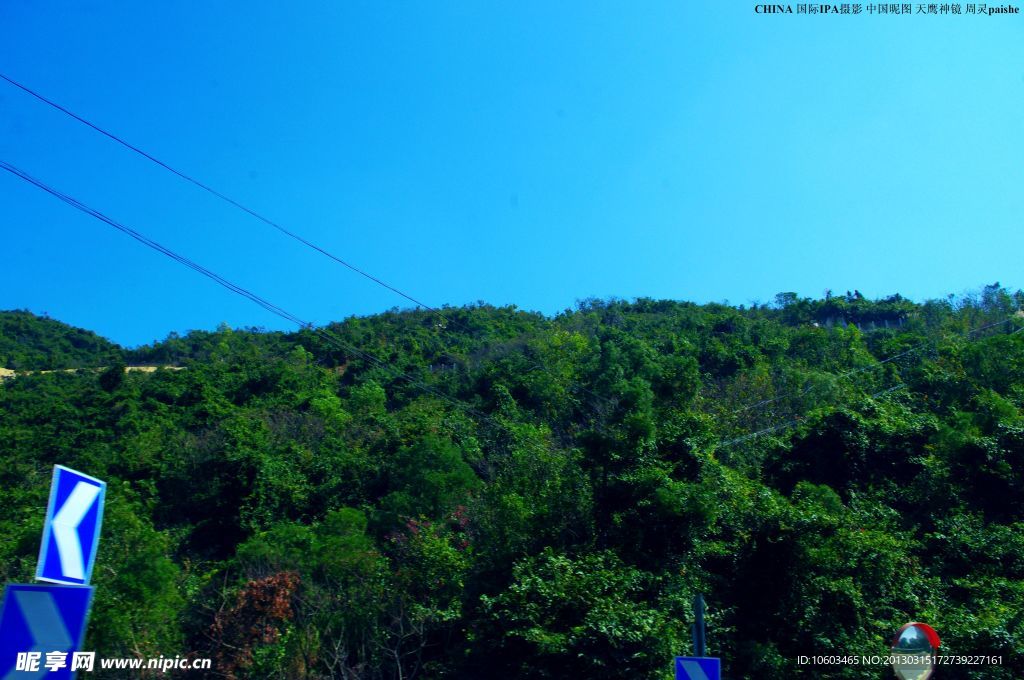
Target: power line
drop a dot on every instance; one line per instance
(266, 304)
(283, 313)
(235, 288)
(338, 342)
(218, 194)
(900, 386)
(861, 369)
(266, 220)
(795, 421)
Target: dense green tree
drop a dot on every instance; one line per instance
(504, 492)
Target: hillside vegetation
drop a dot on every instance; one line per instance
(29, 342)
(506, 494)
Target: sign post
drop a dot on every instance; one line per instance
(699, 666)
(699, 634)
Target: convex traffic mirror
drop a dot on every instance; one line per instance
(913, 651)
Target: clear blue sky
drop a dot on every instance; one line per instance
(532, 153)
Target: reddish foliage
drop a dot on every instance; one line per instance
(461, 517)
(260, 609)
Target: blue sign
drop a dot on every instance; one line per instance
(698, 668)
(40, 629)
(71, 533)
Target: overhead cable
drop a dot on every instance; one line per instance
(266, 220)
(234, 288)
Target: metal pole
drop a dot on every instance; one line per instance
(699, 639)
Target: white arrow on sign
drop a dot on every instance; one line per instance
(65, 528)
(45, 625)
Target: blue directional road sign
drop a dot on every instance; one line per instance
(40, 620)
(71, 533)
(698, 668)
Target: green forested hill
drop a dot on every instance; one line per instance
(497, 493)
(30, 342)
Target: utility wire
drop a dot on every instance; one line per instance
(280, 312)
(269, 306)
(369, 358)
(338, 342)
(861, 369)
(900, 386)
(795, 421)
(221, 196)
(234, 288)
(266, 220)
